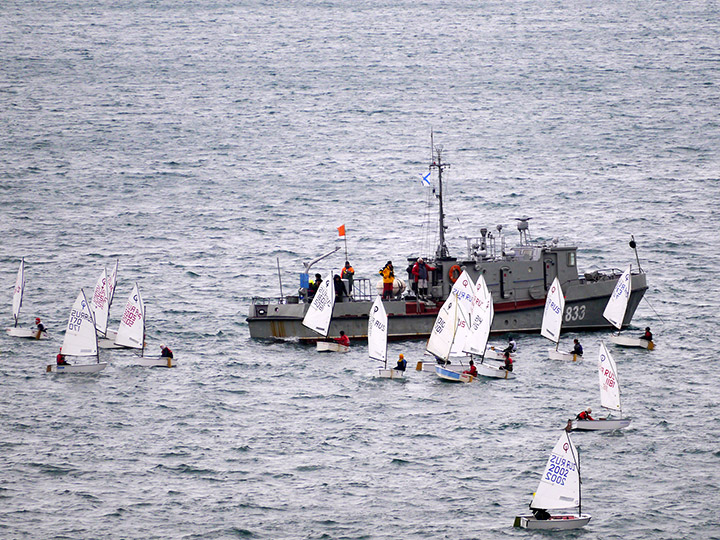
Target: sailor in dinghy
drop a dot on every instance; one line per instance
(481, 318)
(451, 330)
(609, 398)
(377, 342)
(559, 489)
(552, 323)
(131, 333)
(80, 341)
(615, 314)
(39, 332)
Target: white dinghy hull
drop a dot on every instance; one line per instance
(559, 355)
(556, 522)
(160, 361)
(492, 353)
(600, 425)
(391, 374)
(627, 341)
(452, 376)
(26, 333)
(105, 343)
(328, 346)
(426, 366)
(494, 371)
(77, 368)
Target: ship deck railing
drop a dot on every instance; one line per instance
(362, 290)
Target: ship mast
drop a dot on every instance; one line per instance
(442, 249)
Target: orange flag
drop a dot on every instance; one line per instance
(341, 230)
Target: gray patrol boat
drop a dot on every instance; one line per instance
(517, 277)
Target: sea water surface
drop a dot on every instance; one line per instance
(212, 147)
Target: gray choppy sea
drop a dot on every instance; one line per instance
(202, 143)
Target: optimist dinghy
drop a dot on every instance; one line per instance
(615, 313)
(377, 340)
(80, 340)
(14, 331)
(155, 361)
(319, 315)
(331, 346)
(481, 318)
(609, 396)
(101, 311)
(559, 489)
(493, 370)
(552, 321)
(131, 332)
(453, 316)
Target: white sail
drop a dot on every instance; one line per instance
(553, 314)
(377, 331)
(615, 309)
(560, 483)
(481, 318)
(131, 332)
(100, 303)
(609, 386)
(481, 289)
(443, 332)
(80, 336)
(319, 314)
(111, 282)
(464, 290)
(19, 289)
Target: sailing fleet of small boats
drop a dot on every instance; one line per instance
(87, 328)
(461, 331)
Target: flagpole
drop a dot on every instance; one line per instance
(346, 252)
(341, 232)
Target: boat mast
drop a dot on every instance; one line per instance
(576, 456)
(442, 250)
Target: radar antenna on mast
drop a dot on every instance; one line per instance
(523, 227)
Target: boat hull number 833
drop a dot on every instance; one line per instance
(575, 313)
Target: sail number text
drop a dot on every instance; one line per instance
(558, 469)
(76, 319)
(575, 313)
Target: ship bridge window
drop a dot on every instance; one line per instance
(571, 259)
